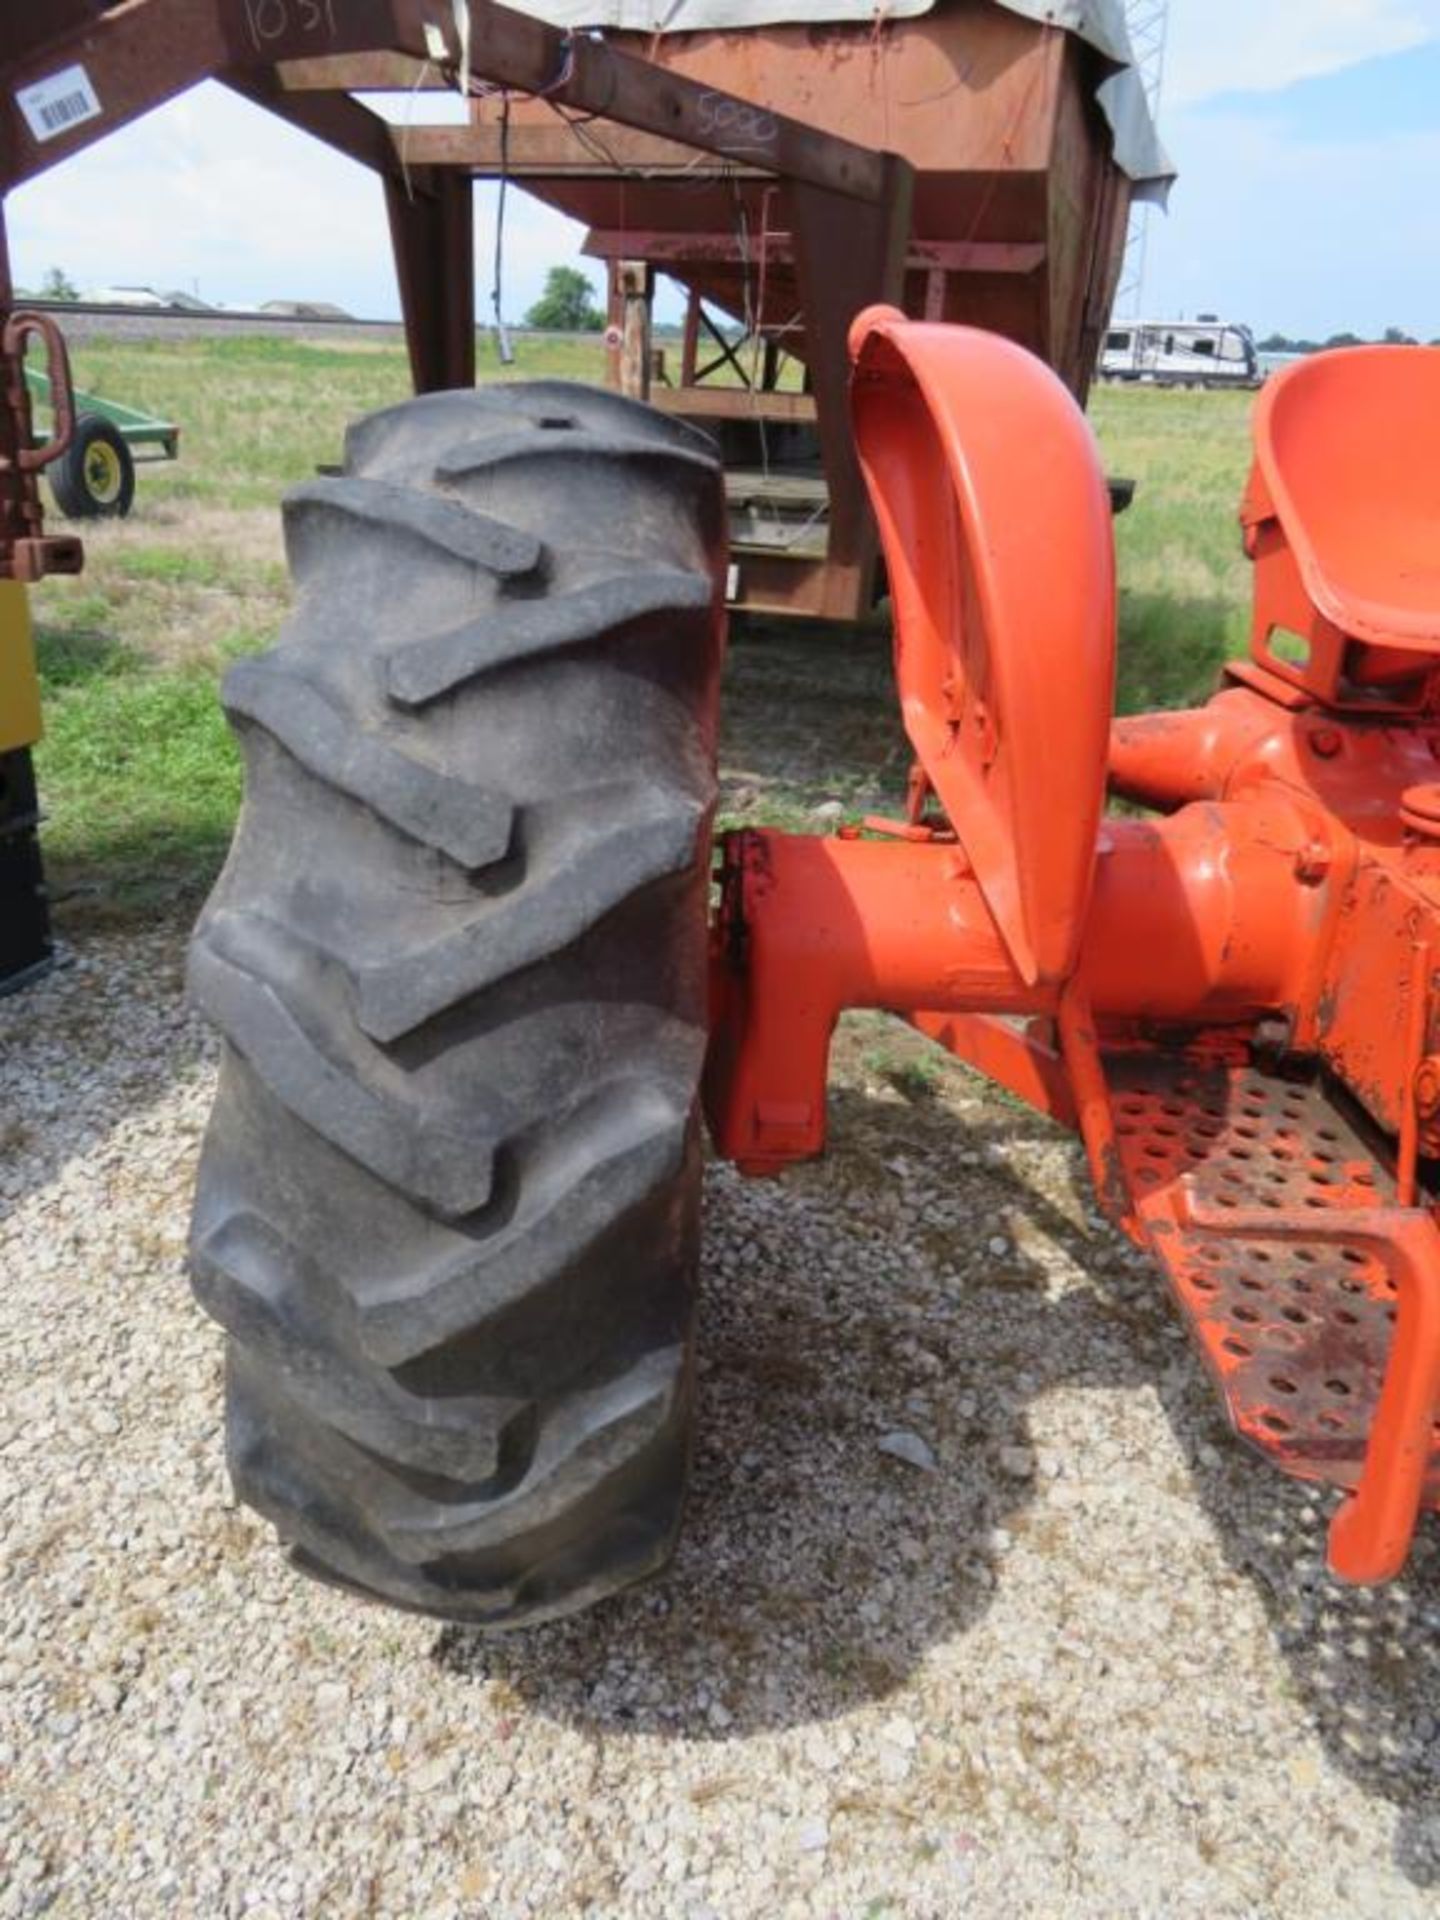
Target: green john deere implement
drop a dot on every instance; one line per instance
(95, 477)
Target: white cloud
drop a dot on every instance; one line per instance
(1253, 46)
(1314, 238)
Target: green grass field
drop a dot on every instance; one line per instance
(138, 774)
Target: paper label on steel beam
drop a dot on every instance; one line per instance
(62, 101)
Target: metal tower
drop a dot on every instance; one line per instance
(1145, 22)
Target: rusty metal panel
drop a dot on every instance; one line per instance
(995, 113)
(949, 91)
(132, 59)
(1088, 205)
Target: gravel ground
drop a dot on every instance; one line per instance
(978, 1611)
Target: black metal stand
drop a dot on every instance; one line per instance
(27, 948)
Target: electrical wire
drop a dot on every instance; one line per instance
(502, 338)
(427, 68)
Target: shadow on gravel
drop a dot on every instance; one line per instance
(815, 1571)
(808, 716)
(1364, 1661)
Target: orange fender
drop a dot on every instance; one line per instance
(996, 527)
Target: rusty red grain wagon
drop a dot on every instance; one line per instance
(1018, 143)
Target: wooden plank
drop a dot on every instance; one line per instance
(847, 257)
(779, 487)
(556, 148)
(797, 585)
(635, 288)
(433, 239)
(947, 256)
(777, 538)
(733, 403)
(363, 73)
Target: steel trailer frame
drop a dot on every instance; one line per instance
(848, 204)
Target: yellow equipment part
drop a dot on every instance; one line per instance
(19, 682)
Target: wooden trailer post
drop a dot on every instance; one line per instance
(432, 231)
(635, 284)
(849, 254)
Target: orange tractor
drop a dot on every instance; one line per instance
(1230, 994)
(475, 990)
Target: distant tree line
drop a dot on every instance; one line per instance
(1392, 337)
(567, 305)
(57, 285)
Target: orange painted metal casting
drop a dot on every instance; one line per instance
(1232, 994)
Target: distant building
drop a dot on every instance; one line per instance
(126, 297)
(305, 310)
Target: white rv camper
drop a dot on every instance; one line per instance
(1206, 352)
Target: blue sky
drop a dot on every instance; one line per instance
(1313, 206)
(1307, 138)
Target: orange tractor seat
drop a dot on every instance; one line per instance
(1342, 517)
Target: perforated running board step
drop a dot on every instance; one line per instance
(1268, 1211)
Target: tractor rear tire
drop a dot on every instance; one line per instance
(447, 1208)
